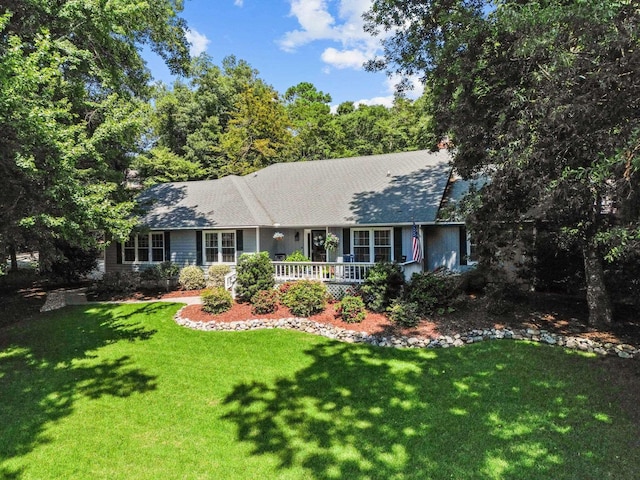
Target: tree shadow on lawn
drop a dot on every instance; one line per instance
(47, 363)
(494, 410)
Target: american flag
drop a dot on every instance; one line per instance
(415, 244)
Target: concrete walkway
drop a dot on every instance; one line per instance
(187, 300)
(78, 296)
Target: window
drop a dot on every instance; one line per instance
(468, 248)
(144, 247)
(373, 245)
(219, 247)
(157, 247)
(361, 247)
(472, 249)
(382, 245)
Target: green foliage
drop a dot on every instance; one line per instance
(284, 287)
(255, 272)
(216, 274)
(383, 284)
(432, 292)
(297, 256)
(72, 87)
(305, 298)
(229, 121)
(331, 242)
(258, 133)
(265, 301)
(71, 263)
(163, 271)
(118, 283)
(161, 165)
(216, 300)
(351, 309)
(542, 95)
(405, 314)
(192, 278)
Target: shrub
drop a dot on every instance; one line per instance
(70, 263)
(168, 270)
(162, 271)
(216, 274)
(255, 273)
(351, 309)
(297, 256)
(284, 287)
(191, 278)
(405, 314)
(265, 301)
(305, 297)
(431, 291)
(474, 280)
(383, 285)
(121, 283)
(216, 300)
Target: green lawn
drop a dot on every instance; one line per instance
(122, 392)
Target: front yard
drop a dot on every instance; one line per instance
(110, 391)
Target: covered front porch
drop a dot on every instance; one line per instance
(334, 272)
(338, 273)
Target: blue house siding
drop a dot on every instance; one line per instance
(248, 241)
(111, 263)
(183, 247)
(443, 247)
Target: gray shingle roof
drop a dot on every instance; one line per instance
(380, 189)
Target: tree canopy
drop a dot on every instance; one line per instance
(542, 96)
(227, 120)
(73, 88)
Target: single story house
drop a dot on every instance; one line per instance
(369, 203)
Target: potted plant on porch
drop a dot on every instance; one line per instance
(330, 244)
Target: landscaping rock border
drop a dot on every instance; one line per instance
(443, 341)
(62, 297)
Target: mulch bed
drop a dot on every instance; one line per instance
(554, 313)
(374, 323)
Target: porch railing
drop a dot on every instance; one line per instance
(230, 280)
(322, 271)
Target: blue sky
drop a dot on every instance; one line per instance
(288, 42)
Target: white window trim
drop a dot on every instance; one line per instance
(372, 245)
(149, 247)
(469, 261)
(219, 234)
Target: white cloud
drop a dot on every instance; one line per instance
(387, 100)
(316, 22)
(414, 81)
(342, 25)
(344, 59)
(238, 3)
(197, 41)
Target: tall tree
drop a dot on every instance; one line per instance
(71, 111)
(315, 133)
(545, 97)
(259, 132)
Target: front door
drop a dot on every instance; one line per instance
(316, 247)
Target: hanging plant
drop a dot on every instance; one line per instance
(331, 242)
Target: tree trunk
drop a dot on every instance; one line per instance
(598, 301)
(14, 258)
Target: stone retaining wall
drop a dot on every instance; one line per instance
(473, 336)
